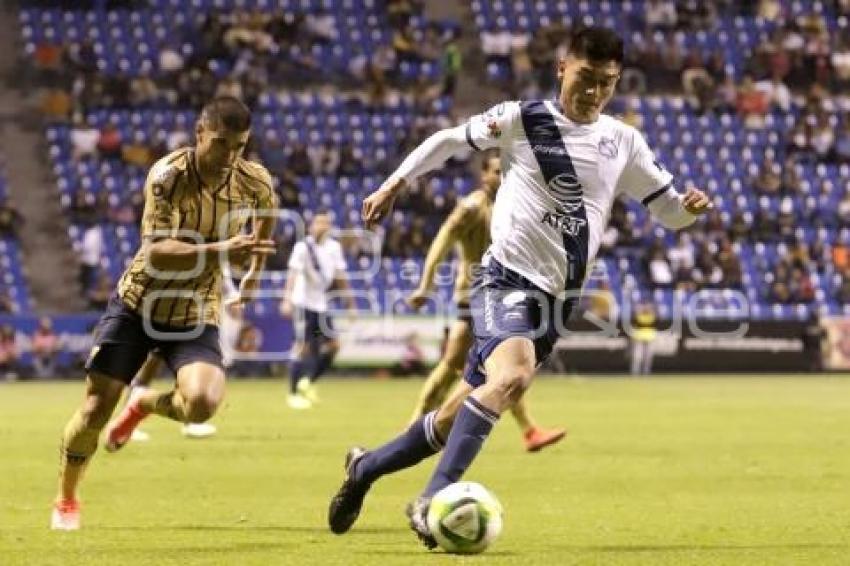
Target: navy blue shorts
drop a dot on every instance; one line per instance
(464, 314)
(122, 344)
(506, 304)
(313, 327)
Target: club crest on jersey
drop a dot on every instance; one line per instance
(493, 129)
(607, 147)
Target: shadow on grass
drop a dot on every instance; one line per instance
(698, 547)
(248, 527)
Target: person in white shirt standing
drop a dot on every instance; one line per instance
(563, 165)
(316, 267)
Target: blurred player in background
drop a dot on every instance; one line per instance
(316, 267)
(198, 201)
(467, 227)
(564, 164)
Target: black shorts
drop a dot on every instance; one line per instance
(313, 326)
(464, 312)
(122, 343)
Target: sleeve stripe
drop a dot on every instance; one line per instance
(469, 137)
(656, 194)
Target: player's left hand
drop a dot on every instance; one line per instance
(696, 202)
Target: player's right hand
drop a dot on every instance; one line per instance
(379, 204)
(417, 299)
(241, 247)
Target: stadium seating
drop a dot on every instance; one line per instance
(12, 280)
(127, 41)
(713, 151)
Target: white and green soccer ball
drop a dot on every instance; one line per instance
(465, 518)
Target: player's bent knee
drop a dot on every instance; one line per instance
(201, 406)
(511, 384)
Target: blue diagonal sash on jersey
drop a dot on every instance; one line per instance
(314, 259)
(555, 163)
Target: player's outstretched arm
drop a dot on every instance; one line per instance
(676, 210)
(170, 254)
(430, 154)
(448, 234)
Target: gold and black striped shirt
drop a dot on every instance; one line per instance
(179, 206)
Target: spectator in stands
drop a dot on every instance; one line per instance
(740, 226)
(298, 160)
(138, 152)
(726, 95)
(9, 354)
(171, 60)
(56, 105)
(768, 181)
(696, 15)
(681, 255)
(143, 90)
(798, 145)
(84, 140)
(324, 158)
(10, 220)
(109, 142)
(730, 265)
(45, 347)
(751, 103)
(83, 209)
(791, 182)
(496, 45)
(801, 288)
(98, 295)
(771, 11)
(91, 251)
(643, 334)
(697, 83)
(660, 15)
(660, 273)
(349, 163)
(6, 304)
(707, 272)
(321, 26)
(843, 210)
(777, 93)
(452, 61)
(823, 139)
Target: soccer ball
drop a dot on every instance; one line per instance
(465, 518)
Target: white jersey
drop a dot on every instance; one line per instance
(315, 266)
(559, 182)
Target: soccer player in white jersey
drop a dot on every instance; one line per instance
(563, 164)
(316, 267)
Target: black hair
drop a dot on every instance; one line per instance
(228, 113)
(488, 155)
(597, 44)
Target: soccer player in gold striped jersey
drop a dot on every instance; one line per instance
(198, 203)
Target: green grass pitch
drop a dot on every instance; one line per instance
(659, 471)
